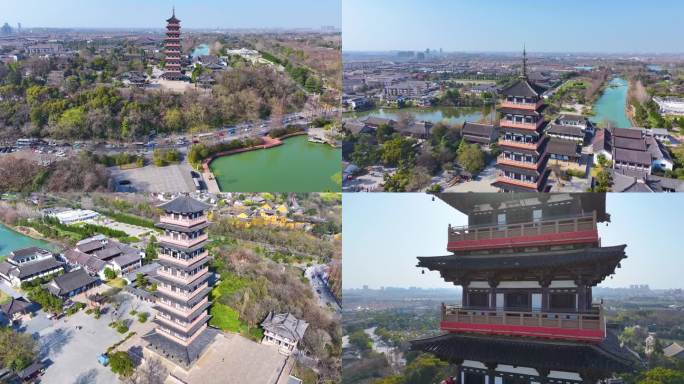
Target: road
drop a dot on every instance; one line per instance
(325, 296)
(62, 149)
(9, 290)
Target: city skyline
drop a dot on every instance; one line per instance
(384, 233)
(463, 26)
(205, 14)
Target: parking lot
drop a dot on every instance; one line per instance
(174, 178)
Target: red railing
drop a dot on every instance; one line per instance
(586, 326)
(550, 231)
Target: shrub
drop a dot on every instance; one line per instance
(121, 363)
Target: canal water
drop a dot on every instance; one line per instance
(11, 240)
(452, 115)
(200, 50)
(295, 166)
(393, 354)
(612, 104)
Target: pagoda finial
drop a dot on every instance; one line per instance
(524, 67)
(173, 11)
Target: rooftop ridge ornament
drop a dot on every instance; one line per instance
(524, 67)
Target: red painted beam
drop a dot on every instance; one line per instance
(509, 242)
(590, 335)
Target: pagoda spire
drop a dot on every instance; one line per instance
(524, 66)
(173, 11)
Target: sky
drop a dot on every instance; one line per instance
(609, 26)
(384, 233)
(153, 13)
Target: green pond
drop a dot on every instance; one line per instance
(295, 166)
(11, 240)
(452, 115)
(612, 103)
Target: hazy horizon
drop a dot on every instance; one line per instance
(152, 14)
(385, 233)
(614, 26)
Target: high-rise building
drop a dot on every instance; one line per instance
(527, 264)
(181, 334)
(172, 49)
(522, 163)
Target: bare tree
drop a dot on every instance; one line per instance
(153, 371)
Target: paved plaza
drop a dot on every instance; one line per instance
(174, 178)
(233, 359)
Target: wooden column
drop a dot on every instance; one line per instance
(491, 372)
(464, 300)
(457, 372)
(545, 294)
(543, 375)
(492, 293)
(581, 295)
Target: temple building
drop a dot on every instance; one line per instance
(181, 334)
(522, 163)
(527, 264)
(172, 49)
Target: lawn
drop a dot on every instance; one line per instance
(225, 317)
(117, 283)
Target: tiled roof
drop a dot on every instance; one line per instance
(184, 204)
(286, 325)
(69, 282)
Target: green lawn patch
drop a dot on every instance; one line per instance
(4, 297)
(225, 318)
(229, 284)
(117, 283)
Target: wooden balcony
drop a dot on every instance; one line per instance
(183, 242)
(588, 326)
(178, 311)
(183, 262)
(184, 278)
(519, 144)
(519, 183)
(525, 106)
(514, 163)
(550, 231)
(182, 221)
(528, 126)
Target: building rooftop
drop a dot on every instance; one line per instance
(673, 350)
(31, 268)
(629, 143)
(525, 88)
(184, 204)
(566, 356)
(70, 281)
(632, 156)
(15, 305)
(478, 129)
(512, 263)
(20, 254)
(286, 325)
(565, 130)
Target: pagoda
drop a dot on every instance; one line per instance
(172, 49)
(527, 263)
(181, 333)
(522, 162)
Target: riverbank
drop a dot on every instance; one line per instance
(612, 106)
(17, 237)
